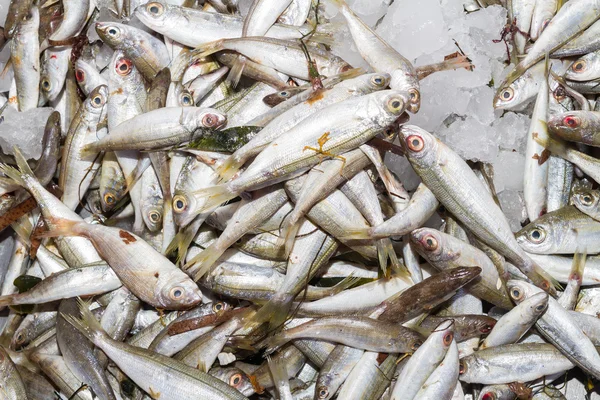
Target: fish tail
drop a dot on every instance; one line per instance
(7, 300)
(90, 149)
(209, 48)
(229, 167)
(274, 342)
(60, 227)
(287, 237)
(180, 243)
(201, 263)
(88, 325)
(279, 373)
(215, 195)
(357, 234)
(20, 175)
(275, 312)
(385, 251)
(344, 284)
(236, 71)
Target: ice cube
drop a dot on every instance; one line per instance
(414, 27)
(370, 11)
(24, 129)
(513, 206)
(508, 170)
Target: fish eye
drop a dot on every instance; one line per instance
(218, 307)
(20, 338)
(123, 67)
(46, 84)
(176, 293)
(210, 120)
(395, 104)
(540, 307)
(179, 203)
(586, 199)
(462, 367)
(186, 99)
(154, 216)
(489, 396)
(448, 337)
(429, 242)
(109, 198)
(283, 94)
(572, 121)
(377, 80)
(235, 380)
(323, 392)
(415, 96)
(416, 345)
(507, 94)
(578, 66)
(79, 75)
(537, 235)
(112, 31)
(415, 143)
(155, 8)
(97, 100)
(516, 293)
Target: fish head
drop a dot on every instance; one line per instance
(82, 71)
(537, 304)
(96, 101)
(204, 118)
(184, 207)
(537, 237)
(492, 392)
(583, 69)
(516, 95)
(428, 242)
(519, 290)
(419, 145)
(407, 81)
(154, 14)
(574, 125)
(478, 325)
(370, 82)
(111, 33)
(20, 339)
(179, 293)
(236, 378)
(445, 333)
(153, 216)
(587, 201)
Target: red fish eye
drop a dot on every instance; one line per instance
(488, 396)
(210, 120)
(571, 121)
(123, 67)
(429, 242)
(448, 338)
(79, 75)
(486, 329)
(415, 143)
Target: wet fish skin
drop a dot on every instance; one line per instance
(513, 362)
(431, 292)
(454, 185)
(24, 53)
(78, 352)
(178, 380)
(564, 231)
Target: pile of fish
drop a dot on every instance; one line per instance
(211, 216)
